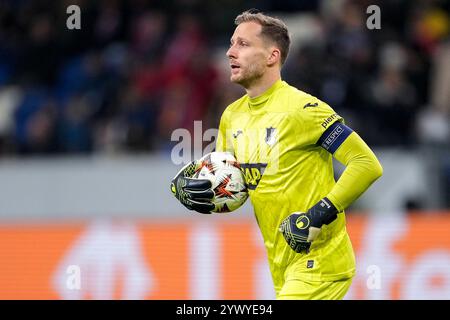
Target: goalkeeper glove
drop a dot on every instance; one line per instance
(194, 194)
(299, 229)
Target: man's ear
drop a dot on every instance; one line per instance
(274, 57)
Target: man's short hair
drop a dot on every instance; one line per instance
(273, 29)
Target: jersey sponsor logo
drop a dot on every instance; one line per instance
(310, 105)
(302, 222)
(310, 264)
(235, 135)
(271, 136)
(328, 120)
(253, 173)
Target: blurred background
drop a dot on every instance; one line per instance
(87, 118)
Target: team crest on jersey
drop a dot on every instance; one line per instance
(271, 136)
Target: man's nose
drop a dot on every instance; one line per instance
(231, 53)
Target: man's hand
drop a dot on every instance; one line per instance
(301, 228)
(194, 194)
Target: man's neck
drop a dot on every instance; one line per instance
(259, 88)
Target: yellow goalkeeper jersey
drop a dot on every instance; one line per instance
(273, 137)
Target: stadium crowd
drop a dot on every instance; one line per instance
(137, 70)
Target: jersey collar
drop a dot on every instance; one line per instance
(259, 101)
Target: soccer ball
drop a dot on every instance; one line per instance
(228, 182)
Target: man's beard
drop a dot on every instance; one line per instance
(250, 76)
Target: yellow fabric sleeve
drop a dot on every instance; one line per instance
(362, 169)
(223, 142)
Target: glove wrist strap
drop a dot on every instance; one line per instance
(322, 213)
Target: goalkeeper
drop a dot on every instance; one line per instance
(284, 140)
